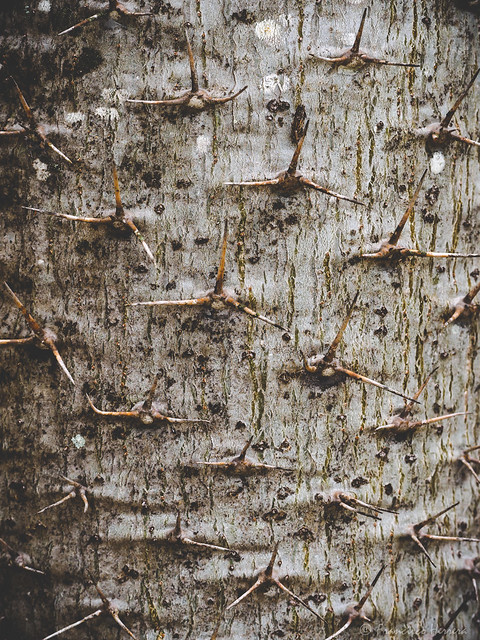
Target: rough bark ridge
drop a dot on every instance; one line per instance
(287, 257)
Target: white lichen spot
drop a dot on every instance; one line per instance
(203, 144)
(269, 31)
(74, 116)
(41, 170)
(44, 6)
(78, 441)
(274, 84)
(107, 113)
(40, 262)
(437, 162)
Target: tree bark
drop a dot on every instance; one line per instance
(290, 258)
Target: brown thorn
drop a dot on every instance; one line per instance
(118, 201)
(271, 564)
(297, 599)
(238, 305)
(342, 629)
(361, 602)
(443, 632)
(472, 293)
(472, 143)
(333, 194)
(147, 405)
(23, 102)
(17, 340)
(193, 71)
(447, 119)
(59, 359)
(408, 407)
(221, 268)
(75, 624)
(356, 45)
(243, 453)
(255, 586)
(380, 385)
(394, 238)
(328, 357)
(32, 323)
(258, 183)
(229, 98)
(424, 551)
(466, 462)
(431, 519)
(138, 235)
(69, 496)
(296, 154)
(95, 16)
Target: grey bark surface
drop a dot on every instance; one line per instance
(288, 257)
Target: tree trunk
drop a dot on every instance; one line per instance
(291, 259)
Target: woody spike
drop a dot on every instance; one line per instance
(464, 305)
(77, 490)
(119, 220)
(290, 181)
(19, 559)
(440, 133)
(326, 366)
(467, 460)
(350, 502)
(355, 57)
(217, 298)
(32, 128)
(240, 464)
(146, 411)
(43, 338)
(106, 608)
(415, 533)
(390, 250)
(408, 408)
(195, 99)
(443, 632)
(401, 422)
(401, 425)
(115, 10)
(354, 612)
(268, 578)
(179, 535)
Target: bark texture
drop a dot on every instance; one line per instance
(288, 257)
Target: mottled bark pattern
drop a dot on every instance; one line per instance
(289, 258)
